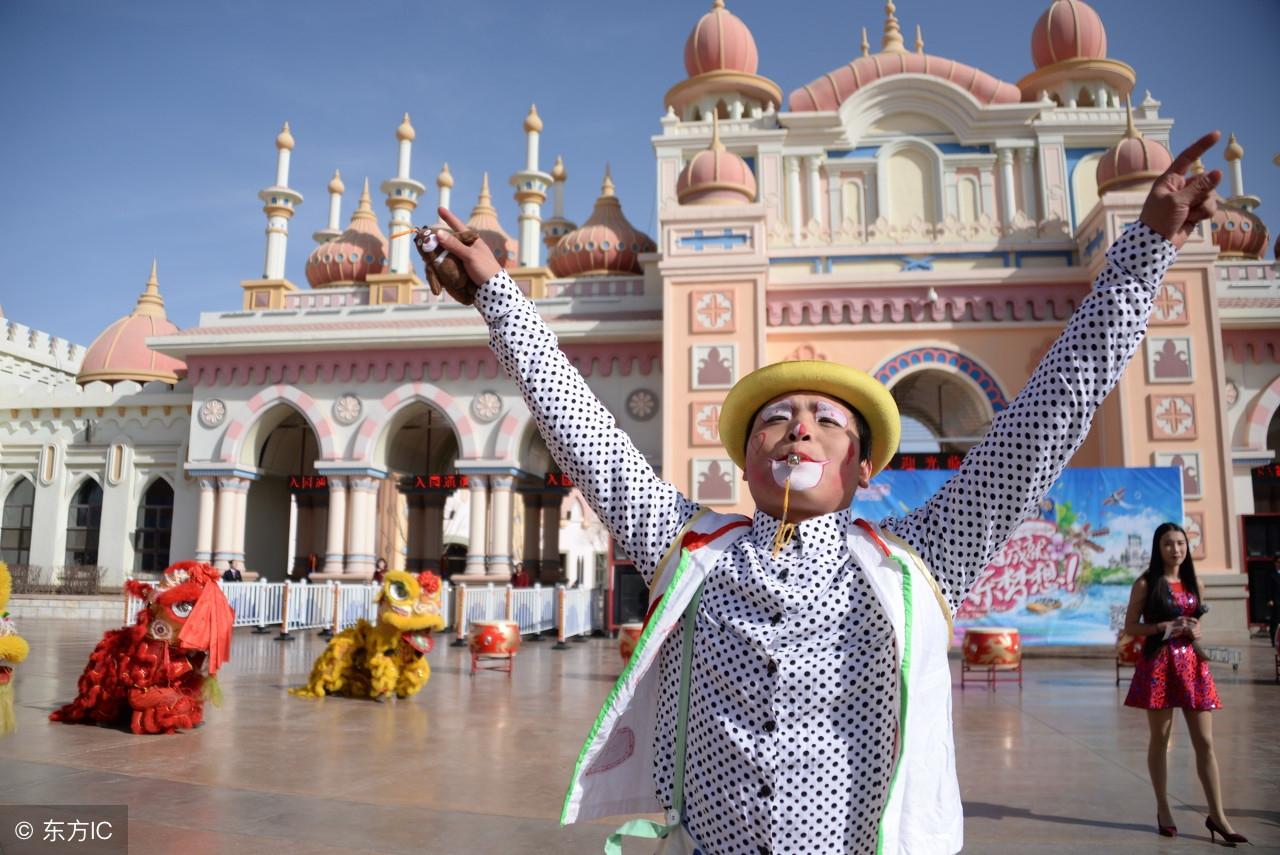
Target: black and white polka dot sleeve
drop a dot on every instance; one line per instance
(1002, 479)
(643, 512)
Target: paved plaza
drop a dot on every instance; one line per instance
(479, 765)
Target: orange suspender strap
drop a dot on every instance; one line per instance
(691, 541)
(871, 530)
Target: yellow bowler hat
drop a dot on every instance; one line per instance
(856, 388)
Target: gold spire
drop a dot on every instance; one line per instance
(335, 183)
(532, 122)
(558, 172)
(1234, 150)
(484, 205)
(364, 211)
(919, 40)
(892, 40)
(150, 302)
(716, 145)
(717, 4)
(1197, 168)
(1131, 130)
(445, 178)
(866, 45)
(405, 131)
(285, 139)
(606, 188)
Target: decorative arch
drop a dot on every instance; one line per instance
(1084, 185)
(1261, 412)
(260, 405)
(504, 447)
(929, 159)
(372, 433)
(947, 103)
(920, 358)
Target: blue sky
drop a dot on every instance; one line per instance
(135, 129)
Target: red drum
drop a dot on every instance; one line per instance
(493, 639)
(989, 649)
(628, 635)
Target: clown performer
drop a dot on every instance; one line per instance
(155, 674)
(818, 691)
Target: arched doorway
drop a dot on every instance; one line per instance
(154, 529)
(422, 489)
(15, 523)
(84, 516)
(1266, 490)
(288, 505)
(941, 412)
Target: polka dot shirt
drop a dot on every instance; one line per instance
(794, 692)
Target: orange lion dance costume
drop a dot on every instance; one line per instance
(155, 674)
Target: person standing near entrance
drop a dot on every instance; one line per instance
(1165, 607)
(819, 692)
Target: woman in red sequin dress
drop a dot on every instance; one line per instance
(1164, 610)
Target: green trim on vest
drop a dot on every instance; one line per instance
(904, 672)
(609, 702)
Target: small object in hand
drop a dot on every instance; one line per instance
(445, 271)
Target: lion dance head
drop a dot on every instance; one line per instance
(411, 604)
(188, 610)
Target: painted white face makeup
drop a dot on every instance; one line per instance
(804, 473)
(827, 410)
(780, 408)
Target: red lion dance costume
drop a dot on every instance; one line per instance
(153, 674)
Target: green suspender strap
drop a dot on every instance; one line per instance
(647, 828)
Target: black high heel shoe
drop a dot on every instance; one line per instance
(1229, 839)
(1165, 830)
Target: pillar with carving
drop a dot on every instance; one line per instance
(499, 565)
(362, 523)
(205, 519)
(793, 197)
(478, 529)
(1008, 194)
(335, 548)
(812, 165)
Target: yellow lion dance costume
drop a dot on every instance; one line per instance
(13, 649)
(376, 660)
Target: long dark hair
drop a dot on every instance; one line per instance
(1160, 605)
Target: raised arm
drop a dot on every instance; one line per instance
(643, 512)
(1001, 481)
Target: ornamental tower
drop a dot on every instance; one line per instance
(531, 191)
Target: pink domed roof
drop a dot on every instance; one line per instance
(1132, 161)
(605, 243)
(720, 42)
(1068, 29)
(716, 176)
(832, 89)
(352, 255)
(120, 352)
(1238, 233)
(484, 219)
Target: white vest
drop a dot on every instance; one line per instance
(922, 814)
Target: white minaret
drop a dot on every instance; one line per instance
(531, 191)
(280, 202)
(332, 230)
(1234, 156)
(444, 183)
(402, 197)
(557, 227)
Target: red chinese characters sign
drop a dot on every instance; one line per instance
(308, 483)
(450, 481)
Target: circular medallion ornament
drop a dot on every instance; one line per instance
(212, 412)
(1231, 393)
(347, 409)
(486, 406)
(642, 405)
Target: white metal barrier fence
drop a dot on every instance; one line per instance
(573, 618)
(333, 607)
